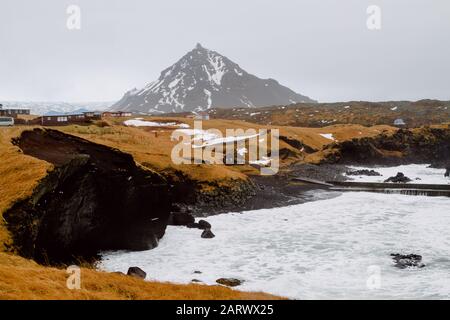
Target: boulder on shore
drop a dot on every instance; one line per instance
(409, 260)
(136, 272)
(399, 178)
(229, 282)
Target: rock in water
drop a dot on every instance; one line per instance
(409, 260)
(364, 172)
(207, 234)
(399, 178)
(447, 172)
(229, 282)
(204, 224)
(136, 272)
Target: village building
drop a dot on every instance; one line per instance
(61, 119)
(117, 114)
(13, 112)
(93, 115)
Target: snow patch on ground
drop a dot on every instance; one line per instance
(139, 122)
(328, 136)
(230, 139)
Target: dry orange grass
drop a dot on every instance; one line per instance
(148, 149)
(309, 136)
(25, 280)
(19, 175)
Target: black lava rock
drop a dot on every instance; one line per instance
(136, 272)
(207, 234)
(364, 172)
(204, 224)
(229, 282)
(409, 260)
(399, 178)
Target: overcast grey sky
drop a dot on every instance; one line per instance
(320, 48)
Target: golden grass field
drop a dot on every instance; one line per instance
(24, 279)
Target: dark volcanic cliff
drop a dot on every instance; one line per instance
(95, 199)
(423, 145)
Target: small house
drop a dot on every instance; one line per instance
(93, 115)
(60, 119)
(116, 114)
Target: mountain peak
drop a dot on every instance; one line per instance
(204, 79)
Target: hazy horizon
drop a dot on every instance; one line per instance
(321, 49)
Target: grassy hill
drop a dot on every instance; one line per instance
(414, 114)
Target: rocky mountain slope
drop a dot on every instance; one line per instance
(204, 79)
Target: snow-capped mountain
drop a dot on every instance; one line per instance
(41, 108)
(204, 79)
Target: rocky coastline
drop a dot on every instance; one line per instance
(97, 198)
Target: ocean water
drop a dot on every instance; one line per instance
(337, 248)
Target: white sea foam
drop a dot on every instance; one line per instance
(419, 173)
